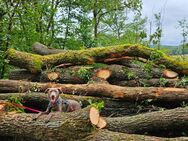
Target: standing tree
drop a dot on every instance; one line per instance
(183, 24)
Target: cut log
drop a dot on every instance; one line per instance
(163, 122)
(112, 107)
(94, 115)
(67, 126)
(101, 123)
(151, 83)
(77, 126)
(103, 73)
(107, 90)
(106, 135)
(22, 74)
(44, 50)
(170, 74)
(83, 74)
(35, 63)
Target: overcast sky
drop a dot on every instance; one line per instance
(172, 11)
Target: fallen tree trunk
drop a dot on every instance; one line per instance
(68, 126)
(112, 107)
(160, 122)
(83, 74)
(152, 83)
(77, 126)
(35, 63)
(106, 135)
(44, 50)
(107, 90)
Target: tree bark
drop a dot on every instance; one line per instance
(44, 50)
(151, 83)
(76, 126)
(112, 107)
(67, 126)
(35, 63)
(175, 120)
(83, 74)
(101, 90)
(106, 135)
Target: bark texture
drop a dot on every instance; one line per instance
(68, 126)
(175, 120)
(76, 126)
(101, 90)
(35, 63)
(44, 50)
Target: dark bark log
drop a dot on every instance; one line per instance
(101, 90)
(112, 108)
(22, 74)
(83, 74)
(151, 83)
(175, 121)
(44, 50)
(35, 63)
(106, 135)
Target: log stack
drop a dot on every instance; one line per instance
(145, 93)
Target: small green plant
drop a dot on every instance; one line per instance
(183, 82)
(155, 55)
(148, 69)
(15, 100)
(99, 105)
(131, 75)
(163, 81)
(184, 104)
(84, 73)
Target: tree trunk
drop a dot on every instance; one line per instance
(106, 135)
(44, 50)
(77, 126)
(163, 122)
(67, 126)
(35, 63)
(100, 90)
(112, 108)
(151, 83)
(83, 74)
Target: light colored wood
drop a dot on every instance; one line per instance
(94, 115)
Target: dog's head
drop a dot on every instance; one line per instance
(53, 94)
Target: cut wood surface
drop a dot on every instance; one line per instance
(94, 115)
(35, 63)
(100, 90)
(103, 73)
(101, 123)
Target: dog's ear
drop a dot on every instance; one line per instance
(46, 91)
(60, 91)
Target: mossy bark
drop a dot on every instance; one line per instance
(35, 63)
(101, 90)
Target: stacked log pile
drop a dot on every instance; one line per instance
(144, 90)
